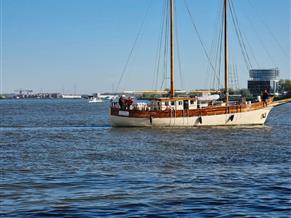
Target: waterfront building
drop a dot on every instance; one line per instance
(263, 79)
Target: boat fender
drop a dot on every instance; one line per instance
(231, 117)
(200, 120)
(151, 119)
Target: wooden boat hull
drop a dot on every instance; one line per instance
(251, 117)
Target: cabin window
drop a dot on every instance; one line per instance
(180, 102)
(172, 103)
(191, 102)
(167, 103)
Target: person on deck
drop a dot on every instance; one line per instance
(121, 103)
(265, 98)
(129, 103)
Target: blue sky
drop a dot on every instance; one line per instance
(56, 45)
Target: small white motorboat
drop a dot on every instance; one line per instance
(95, 100)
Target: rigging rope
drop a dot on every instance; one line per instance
(218, 54)
(159, 48)
(178, 53)
(214, 50)
(268, 54)
(240, 37)
(134, 45)
(251, 51)
(199, 38)
(167, 29)
(286, 54)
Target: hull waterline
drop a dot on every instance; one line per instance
(254, 117)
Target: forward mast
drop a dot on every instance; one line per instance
(172, 51)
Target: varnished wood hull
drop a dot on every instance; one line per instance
(218, 116)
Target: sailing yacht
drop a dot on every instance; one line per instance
(187, 111)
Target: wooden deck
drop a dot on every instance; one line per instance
(211, 110)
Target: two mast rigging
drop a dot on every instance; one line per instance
(172, 56)
(171, 7)
(186, 111)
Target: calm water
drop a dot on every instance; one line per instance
(62, 158)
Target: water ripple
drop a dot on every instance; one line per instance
(62, 159)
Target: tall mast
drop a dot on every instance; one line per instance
(226, 53)
(172, 47)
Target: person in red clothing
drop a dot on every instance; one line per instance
(129, 102)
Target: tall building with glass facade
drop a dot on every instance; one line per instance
(263, 79)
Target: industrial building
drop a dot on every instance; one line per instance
(263, 79)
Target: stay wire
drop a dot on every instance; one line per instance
(258, 36)
(251, 51)
(134, 46)
(213, 48)
(243, 38)
(215, 45)
(178, 52)
(286, 54)
(199, 37)
(166, 41)
(240, 39)
(219, 48)
(159, 48)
